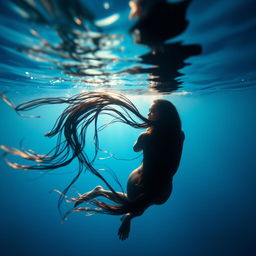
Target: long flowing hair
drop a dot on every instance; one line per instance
(168, 117)
(71, 128)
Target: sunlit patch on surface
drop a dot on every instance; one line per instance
(108, 21)
(182, 93)
(106, 5)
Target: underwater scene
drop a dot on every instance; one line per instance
(128, 127)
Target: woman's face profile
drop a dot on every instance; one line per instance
(153, 114)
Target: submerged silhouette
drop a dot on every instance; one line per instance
(149, 184)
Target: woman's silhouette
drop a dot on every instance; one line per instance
(161, 143)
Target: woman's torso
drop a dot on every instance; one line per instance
(161, 157)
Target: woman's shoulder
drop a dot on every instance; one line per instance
(143, 137)
(145, 134)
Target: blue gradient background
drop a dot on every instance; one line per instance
(212, 209)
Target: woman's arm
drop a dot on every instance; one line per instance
(139, 144)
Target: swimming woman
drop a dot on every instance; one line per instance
(161, 143)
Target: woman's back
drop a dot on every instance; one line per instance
(161, 156)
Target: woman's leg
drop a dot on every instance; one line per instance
(133, 191)
(125, 226)
(119, 197)
(140, 199)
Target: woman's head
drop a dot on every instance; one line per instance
(163, 113)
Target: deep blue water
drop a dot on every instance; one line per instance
(212, 208)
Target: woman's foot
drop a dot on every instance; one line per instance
(88, 196)
(125, 227)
